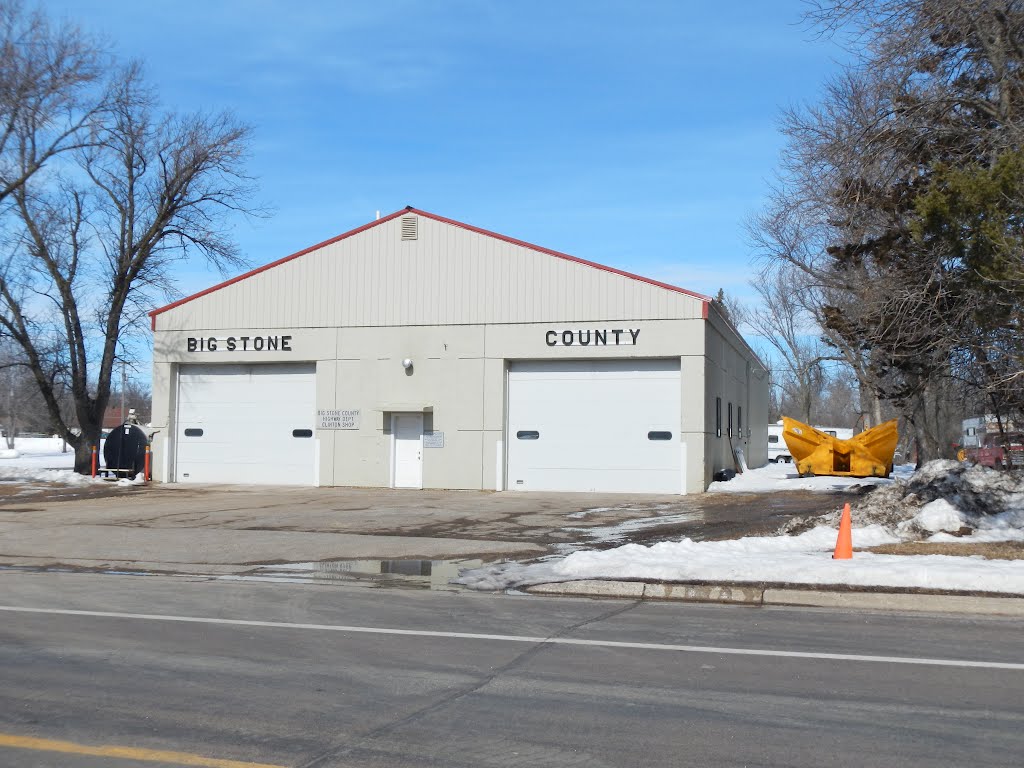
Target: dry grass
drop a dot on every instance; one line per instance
(995, 550)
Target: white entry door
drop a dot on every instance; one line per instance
(407, 436)
(588, 425)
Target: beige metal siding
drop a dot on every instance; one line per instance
(736, 375)
(448, 276)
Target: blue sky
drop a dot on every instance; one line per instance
(637, 134)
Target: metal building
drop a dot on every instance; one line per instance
(419, 352)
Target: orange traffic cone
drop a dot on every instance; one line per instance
(844, 544)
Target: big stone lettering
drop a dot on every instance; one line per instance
(602, 337)
(239, 344)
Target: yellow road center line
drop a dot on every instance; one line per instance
(125, 753)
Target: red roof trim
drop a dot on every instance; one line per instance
(271, 265)
(705, 299)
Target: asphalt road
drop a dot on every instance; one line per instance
(234, 674)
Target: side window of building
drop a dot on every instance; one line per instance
(739, 421)
(730, 419)
(718, 417)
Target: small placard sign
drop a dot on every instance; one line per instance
(337, 419)
(433, 439)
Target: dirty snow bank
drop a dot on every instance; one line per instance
(942, 499)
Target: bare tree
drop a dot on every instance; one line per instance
(938, 88)
(135, 396)
(21, 406)
(47, 95)
(838, 406)
(781, 318)
(95, 242)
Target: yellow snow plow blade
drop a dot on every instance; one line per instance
(868, 454)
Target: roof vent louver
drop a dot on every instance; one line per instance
(410, 228)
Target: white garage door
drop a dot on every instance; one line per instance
(246, 424)
(594, 426)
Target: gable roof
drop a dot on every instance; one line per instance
(706, 300)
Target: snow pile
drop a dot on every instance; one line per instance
(942, 502)
(802, 559)
(34, 475)
(937, 516)
(974, 489)
(944, 496)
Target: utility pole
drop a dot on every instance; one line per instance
(124, 379)
(10, 409)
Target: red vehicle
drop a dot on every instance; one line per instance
(992, 452)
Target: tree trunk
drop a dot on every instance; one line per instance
(805, 411)
(926, 430)
(928, 448)
(83, 458)
(11, 427)
(83, 450)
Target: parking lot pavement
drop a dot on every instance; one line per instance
(231, 529)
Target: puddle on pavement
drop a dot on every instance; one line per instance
(396, 574)
(402, 574)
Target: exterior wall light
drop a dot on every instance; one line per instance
(407, 363)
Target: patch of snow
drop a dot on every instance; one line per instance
(801, 559)
(655, 508)
(619, 531)
(36, 475)
(942, 497)
(1007, 526)
(43, 460)
(784, 477)
(584, 512)
(939, 515)
(37, 452)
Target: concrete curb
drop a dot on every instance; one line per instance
(786, 596)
